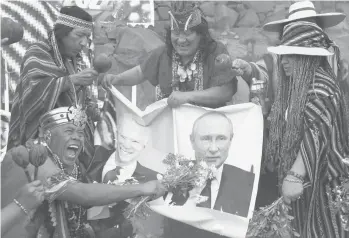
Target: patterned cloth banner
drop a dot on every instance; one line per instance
(170, 131)
(37, 19)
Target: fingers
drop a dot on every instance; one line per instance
(4, 41)
(237, 72)
(236, 63)
(170, 101)
(287, 200)
(94, 72)
(105, 80)
(108, 80)
(91, 71)
(36, 183)
(173, 102)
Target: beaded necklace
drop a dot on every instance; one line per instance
(181, 74)
(74, 212)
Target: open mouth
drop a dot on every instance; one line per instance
(72, 151)
(125, 151)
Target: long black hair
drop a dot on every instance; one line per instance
(207, 43)
(60, 30)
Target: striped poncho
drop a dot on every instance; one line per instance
(43, 75)
(323, 148)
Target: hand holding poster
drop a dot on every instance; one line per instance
(229, 138)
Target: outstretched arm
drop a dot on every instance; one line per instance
(103, 194)
(213, 96)
(129, 77)
(62, 187)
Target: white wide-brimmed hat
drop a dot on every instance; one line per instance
(302, 10)
(303, 38)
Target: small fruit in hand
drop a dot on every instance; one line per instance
(102, 63)
(222, 62)
(223, 68)
(20, 155)
(38, 155)
(11, 30)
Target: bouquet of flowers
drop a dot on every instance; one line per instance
(340, 202)
(272, 221)
(181, 175)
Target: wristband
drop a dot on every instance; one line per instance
(300, 177)
(293, 180)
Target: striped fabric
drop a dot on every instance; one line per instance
(323, 148)
(305, 34)
(43, 75)
(324, 145)
(37, 18)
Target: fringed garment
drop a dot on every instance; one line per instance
(57, 218)
(324, 145)
(323, 148)
(43, 75)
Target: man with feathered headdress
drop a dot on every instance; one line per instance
(191, 68)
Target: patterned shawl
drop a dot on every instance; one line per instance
(43, 75)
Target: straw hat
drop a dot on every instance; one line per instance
(302, 10)
(303, 38)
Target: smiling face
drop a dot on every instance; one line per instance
(288, 63)
(132, 139)
(74, 42)
(67, 142)
(211, 139)
(185, 43)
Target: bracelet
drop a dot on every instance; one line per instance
(296, 175)
(21, 206)
(293, 180)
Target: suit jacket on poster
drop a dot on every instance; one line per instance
(234, 196)
(116, 225)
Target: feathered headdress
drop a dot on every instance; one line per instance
(184, 15)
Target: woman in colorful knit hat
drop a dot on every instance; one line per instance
(308, 138)
(186, 69)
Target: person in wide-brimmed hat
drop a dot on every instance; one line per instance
(264, 70)
(262, 77)
(305, 11)
(308, 136)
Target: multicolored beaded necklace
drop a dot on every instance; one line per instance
(74, 212)
(182, 74)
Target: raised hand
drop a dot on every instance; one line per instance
(292, 189)
(31, 195)
(241, 67)
(85, 77)
(155, 189)
(178, 98)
